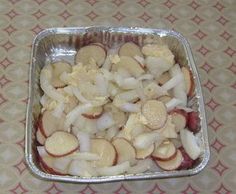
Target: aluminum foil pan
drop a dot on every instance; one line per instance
(62, 43)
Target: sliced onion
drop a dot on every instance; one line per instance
(81, 168)
(129, 83)
(101, 84)
(129, 107)
(58, 111)
(105, 121)
(173, 103)
(68, 90)
(61, 163)
(78, 110)
(146, 77)
(187, 109)
(112, 132)
(78, 95)
(84, 141)
(173, 82)
(114, 170)
(141, 166)
(139, 59)
(41, 150)
(45, 78)
(43, 100)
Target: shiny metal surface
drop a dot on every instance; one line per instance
(62, 43)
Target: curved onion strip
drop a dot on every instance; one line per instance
(78, 95)
(141, 166)
(114, 170)
(129, 107)
(57, 112)
(84, 141)
(45, 77)
(72, 115)
(105, 121)
(173, 103)
(173, 82)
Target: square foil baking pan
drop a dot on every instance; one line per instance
(62, 43)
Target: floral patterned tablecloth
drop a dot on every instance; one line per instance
(209, 25)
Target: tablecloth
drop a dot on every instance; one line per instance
(209, 26)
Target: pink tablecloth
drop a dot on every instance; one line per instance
(209, 25)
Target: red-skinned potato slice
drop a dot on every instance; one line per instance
(164, 98)
(57, 69)
(155, 113)
(187, 162)
(40, 138)
(172, 164)
(179, 118)
(47, 165)
(144, 153)
(164, 152)
(193, 122)
(48, 123)
(164, 78)
(125, 150)
(61, 143)
(131, 65)
(189, 81)
(86, 53)
(94, 113)
(98, 44)
(105, 150)
(130, 49)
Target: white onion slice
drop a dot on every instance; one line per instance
(68, 90)
(41, 150)
(190, 144)
(61, 163)
(173, 103)
(105, 121)
(114, 170)
(81, 168)
(78, 95)
(129, 83)
(101, 84)
(130, 107)
(141, 166)
(187, 109)
(45, 77)
(72, 115)
(84, 141)
(145, 77)
(174, 81)
(57, 112)
(139, 59)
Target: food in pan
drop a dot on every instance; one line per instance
(117, 111)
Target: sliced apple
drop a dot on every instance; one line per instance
(179, 118)
(193, 122)
(165, 151)
(94, 113)
(125, 150)
(155, 113)
(189, 81)
(164, 78)
(171, 164)
(48, 123)
(40, 138)
(61, 143)
(144, 153)
(106, 151)
(164, 98)
(130, 49)
(190, 144)
(57, 69)
(86, 53)
(131, 65)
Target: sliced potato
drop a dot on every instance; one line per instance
(155, 112)
(189, 81)
(61, 143)
(165, 151)
(131, 65)
(164, 78)
(144, 153)
(125, 150)
(171, 164)
(94, 113)
(106, 151)
(130, 49)
(40, 138)
(48, 123)
(57, 69)
(179, 119)
(94, 52)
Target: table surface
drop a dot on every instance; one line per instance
(209, 25)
